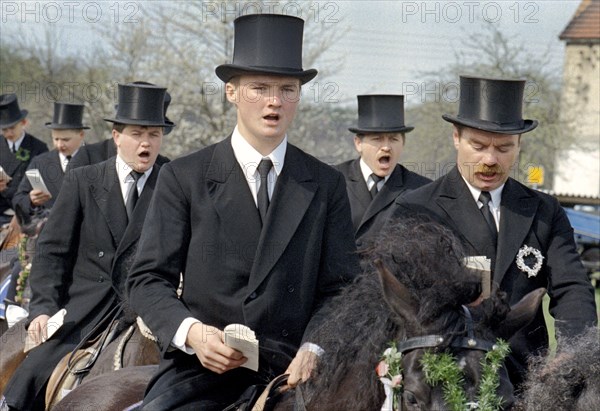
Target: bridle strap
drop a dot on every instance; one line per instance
(435, 340)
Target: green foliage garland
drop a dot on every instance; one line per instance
(443, 368)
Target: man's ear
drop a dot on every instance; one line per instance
(231, 92)
(115, 136)
(358, 144)
(455, 137)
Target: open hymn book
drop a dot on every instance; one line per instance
(243, 339)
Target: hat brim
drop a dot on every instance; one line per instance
(228, 71)
(14, 121)
(403, 129)
(53, 126)
(491, 127)
(145, 123)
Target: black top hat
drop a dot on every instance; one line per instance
(67, 116)
(10, 114)
(267, 44)
(167, 129)
(381, 113)
(494, 105)
(141, 105)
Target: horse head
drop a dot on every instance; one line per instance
(467, 333)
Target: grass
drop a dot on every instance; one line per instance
(550, 320)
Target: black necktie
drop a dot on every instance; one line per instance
(14, 148)
(262, 197)
(68, 159)
(374, 190)
(133, 194)
(485, 197)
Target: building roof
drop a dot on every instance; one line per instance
(585, 23)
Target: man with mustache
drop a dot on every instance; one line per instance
(524, 232)
(375, 179)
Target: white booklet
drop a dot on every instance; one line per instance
(36, 180)
(243, 339)
(482, 265)
(4, 175)
(54, 323)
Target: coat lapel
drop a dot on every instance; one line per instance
(56, 174)
(231, 196)
(8, 160)
(458, 203)
(517, 212)
(134, 227)
(360, 197)
(390, 190)
(109, 199)
(294, 191)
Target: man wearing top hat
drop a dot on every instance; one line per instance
(259, 230)
(17, 148)
(87, 244)
(103, 150)
(67, 137)
(375, 179)
(524, 232)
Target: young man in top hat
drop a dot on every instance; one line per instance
(260, 231)
(83, 253)
(524, 232)
(67, 137)
(17, 148)
(103, 150)
(375, 179)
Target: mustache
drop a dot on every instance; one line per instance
(485, 169)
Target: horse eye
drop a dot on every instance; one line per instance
(410, 398)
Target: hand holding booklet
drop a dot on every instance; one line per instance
(36, 180)
(243, 339)
(53, 324)
(4, 175)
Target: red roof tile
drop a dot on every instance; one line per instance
(585, 24)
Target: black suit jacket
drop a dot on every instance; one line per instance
(101, 151)
(49, 166)
(527, 217)
(79, 255)
(16, 168)
(205, 225)
(369, 215)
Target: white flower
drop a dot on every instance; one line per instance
(524, 252)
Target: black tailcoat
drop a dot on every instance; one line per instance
(15, 167)
(527, 217)
(368, 215)
(205, 224)
(79, 255)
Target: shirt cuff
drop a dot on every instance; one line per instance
(314, 348)
(180, 336)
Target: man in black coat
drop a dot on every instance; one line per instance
(17, 148)
(83, 253)
(259, 231)
(524, 232)
(375, 179)
(67, 137)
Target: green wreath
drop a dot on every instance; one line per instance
(23, 154)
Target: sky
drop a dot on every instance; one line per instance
(386, 47)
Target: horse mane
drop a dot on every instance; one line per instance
(569, 381)
(426, 258)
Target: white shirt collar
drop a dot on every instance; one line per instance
(248, 157)
(496, 194)
(366, 173)
(123, 171)
(17, 143)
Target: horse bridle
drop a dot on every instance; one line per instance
(437, 340)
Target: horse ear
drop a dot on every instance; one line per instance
(395, 294)
(522, 313)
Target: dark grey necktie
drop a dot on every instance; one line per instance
(133, 194)
(262, 198)
(485, 197)
(14, 148)
(374, 190)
